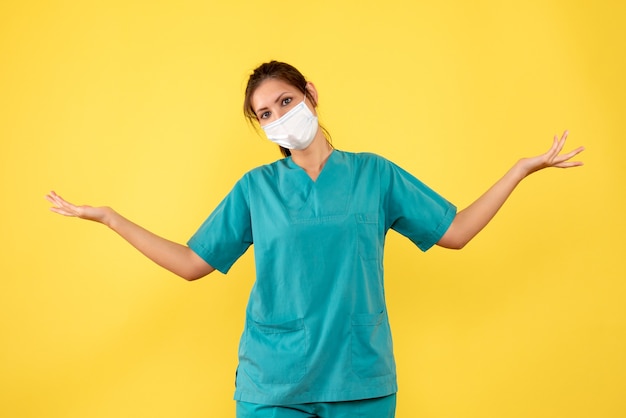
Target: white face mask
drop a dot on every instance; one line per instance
(296, 129)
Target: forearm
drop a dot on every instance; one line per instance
(177, 258)
(475, 217)
(471, 220)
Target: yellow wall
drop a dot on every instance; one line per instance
(137, 105)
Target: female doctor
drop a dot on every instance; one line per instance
(316, 341)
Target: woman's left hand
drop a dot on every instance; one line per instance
(552, 158)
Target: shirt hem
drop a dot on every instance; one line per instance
(323, 396)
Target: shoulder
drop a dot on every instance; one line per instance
(368, 161)
(363, 158)
(360, 156)
(265, 170)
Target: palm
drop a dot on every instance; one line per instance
(65, 208)
(553, 158)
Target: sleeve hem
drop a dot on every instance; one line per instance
(440, 230)
(208, 257)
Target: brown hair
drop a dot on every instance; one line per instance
(281, 71)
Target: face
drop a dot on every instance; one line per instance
(273, 98)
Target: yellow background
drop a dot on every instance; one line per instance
(137, 105)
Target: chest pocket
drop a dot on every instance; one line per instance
(368, 242)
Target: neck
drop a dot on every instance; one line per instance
(312, 159)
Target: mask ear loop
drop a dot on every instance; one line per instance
(304, 99)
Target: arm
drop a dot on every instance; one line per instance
(177, 258)
(471, 220)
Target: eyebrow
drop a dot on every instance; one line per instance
(275, 101)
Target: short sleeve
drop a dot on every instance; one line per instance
(227, 232)
(413, 209)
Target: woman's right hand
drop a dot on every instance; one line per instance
(65, 208)
(177, 258)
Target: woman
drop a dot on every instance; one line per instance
(316, 340)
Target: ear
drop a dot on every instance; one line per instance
(310, 88)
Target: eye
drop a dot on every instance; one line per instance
(264, 115)
(286, 101)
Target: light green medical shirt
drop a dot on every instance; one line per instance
(316, 323)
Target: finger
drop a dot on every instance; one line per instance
(570, 154)
(52, 196)
(54, 200)
(63, 207)
(63, 212)
(562, 141)
(58, 198)
(50, 199)
(58, 203)
(568, 164)
(64, 203)
(553, 151)
(557, 146)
